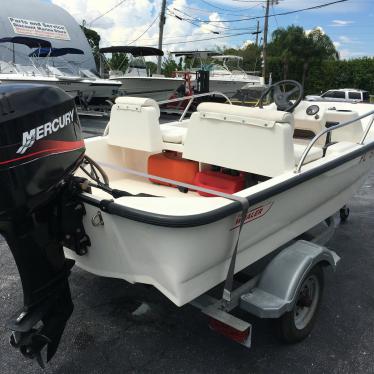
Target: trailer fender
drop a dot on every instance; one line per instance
(277, 288)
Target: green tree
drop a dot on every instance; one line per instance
(319, 47)
(250, 53)
(286, 47)
(169, 66)
(118, 61)
(93, 39)
(292, 52)
(151, 67)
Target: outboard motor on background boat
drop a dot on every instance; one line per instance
(41, 146)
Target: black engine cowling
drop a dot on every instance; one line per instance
(41, 146)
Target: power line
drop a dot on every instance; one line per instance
(154, 38)
(210, 11)
(200, 40)
(281, 14)
(199, 20)
(104, 14)
(217, 7)
(276, 21)
(152, 23)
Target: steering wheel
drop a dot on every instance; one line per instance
(281, 97)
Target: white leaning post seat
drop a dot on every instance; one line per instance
(247, 139)
(134, 123)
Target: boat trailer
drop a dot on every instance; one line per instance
(278, 289)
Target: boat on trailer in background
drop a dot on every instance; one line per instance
(96, 91)
(137, 80)
(221, 77)
(11, 72)
(182, 206)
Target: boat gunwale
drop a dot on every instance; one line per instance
(193, 220)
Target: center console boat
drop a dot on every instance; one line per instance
(182, 206)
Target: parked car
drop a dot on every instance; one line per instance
(343, 94)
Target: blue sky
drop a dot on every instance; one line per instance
(349, 24)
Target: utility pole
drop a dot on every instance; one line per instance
(161, 34)
(257, 32)
(265, 39)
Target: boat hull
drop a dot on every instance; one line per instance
(73, 88)
(226, 86)
(184, 263)
(97, 93)
(156, 88)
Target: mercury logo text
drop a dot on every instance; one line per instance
(40, 132)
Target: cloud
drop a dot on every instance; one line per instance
(347, 54)
(246, 43)
(127, 22)
(337, 44)
(347, 40)
(348, 6)
(340, 23)
(320, 28)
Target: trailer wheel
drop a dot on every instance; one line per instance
(344, 213)
(297, 324)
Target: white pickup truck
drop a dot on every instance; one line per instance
(343, 94)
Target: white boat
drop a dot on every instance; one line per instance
(221, 77)
(136, 80)
(29, 74)
(251, 182)
(182, 243)
(94, 90)
(11, 72)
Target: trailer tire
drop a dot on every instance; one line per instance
(298, 323)
(344, 213)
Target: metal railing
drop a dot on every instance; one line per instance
(191, 99)
(332, 128)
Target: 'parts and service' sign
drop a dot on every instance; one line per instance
(39, 29)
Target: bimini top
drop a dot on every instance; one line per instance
(25, 40)
(55, 52)
(227, 57)
(134, 50)
(203, 54)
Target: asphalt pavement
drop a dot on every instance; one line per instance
(104, 335)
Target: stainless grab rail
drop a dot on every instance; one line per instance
(332, 128)
(192, 98)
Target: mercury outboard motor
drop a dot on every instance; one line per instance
(41, 146)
